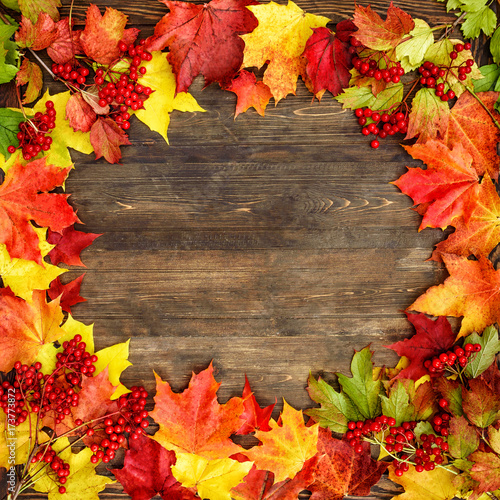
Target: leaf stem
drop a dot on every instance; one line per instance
(457, 21)
(493, 119)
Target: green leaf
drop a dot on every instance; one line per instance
(336, 408)
(491, 73)
(473, 5)
(463, 439)
(490, 346)
(389, 96)
(7, 71)
(356, 97)
(484, 19)
(411, 53)
(398, 405)
(453, 4)
(361, 388)
(9, 127)
(495, 45)
(33, 8)
(7, 30)
(423, 427)
(11, 4)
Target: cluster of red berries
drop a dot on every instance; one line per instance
(76, 75)
(32, 133)
(429, 454)
(370, 67)
(458, 356)
(76, 361)
(356, 430)
(382, 123)
(131, 419)
(123, 92)
(59, 469)
(441, 421)
(436, 77)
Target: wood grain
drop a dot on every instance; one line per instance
(273, 246)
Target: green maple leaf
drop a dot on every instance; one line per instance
(363, 391)
(472, 5)
(9, 127)
(11, 4)
(7, 71)
(483, 20)
(411, 52)
(463, 439)
(397, 404)
(495, 46)
(360, 97)
(490, 74)
(336, 408)
(490, 346)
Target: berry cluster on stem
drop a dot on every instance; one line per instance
(453, 361)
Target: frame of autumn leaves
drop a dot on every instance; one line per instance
(193, 452)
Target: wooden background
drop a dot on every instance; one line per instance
(273, 246)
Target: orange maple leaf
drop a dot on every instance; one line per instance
(471, 291)
(193, 421)
(24, 197)
(250, 92)
(285, 448)
(481, 234)
(470, 125)
(446, 188)
(36, 36)
(106, 137)
(26, 327)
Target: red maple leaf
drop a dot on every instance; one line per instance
(67, 44)
(204, 39)
(69, 243)
(36, 36)
(80, 113)
(328, 58)
(341, 471)
(431, 338)
(106, 137)
(70, 292)
(147, 472)
(251, 93)
(255, 417)
(24, 197)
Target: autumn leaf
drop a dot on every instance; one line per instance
(360, 97)
(23, 276)
(213, 479)
(486, 471)
(82, 484)
(26, 327)
(24, 197)
(36, 36)
(480, 404)
(451, 391)
(328, 58)
(423, 399)
(67, 44)
(260, 485)
(285, 448)
(470, 125)
(448, 186)
(204, 39)
(9, 127)
(250, 92)
(480, 233)
(102, 34)
(482, 360)
(280, 40)
(164, 100)
(193, 421)
(361, 388)
(411, 51)
(34, 8)
(463, 438)
(147, 472)
(336, 410)
(79, 113)
(377, 34)
(69, 292)
(397, 404)
(31, 74)
(341, 471)
(470, 291)
(436, 485)
(431, 339)
(429, 116)
(106, 137)
(254, 417)
(68, 244)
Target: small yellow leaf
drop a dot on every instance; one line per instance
(429, 485)
(213, 479)
(161, 102)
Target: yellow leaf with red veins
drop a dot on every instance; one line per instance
(31, 74)
(471, 291)
(193, 421)
(213, 479)
(26, 327)
(286, 447)
(36, 36)
(279, 40)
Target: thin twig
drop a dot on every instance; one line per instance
(457, 21)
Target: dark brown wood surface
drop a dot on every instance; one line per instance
(273, 246)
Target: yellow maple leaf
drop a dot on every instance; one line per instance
(430, 485)
(280, 38)
(24, 276)
(285, 448)
(161, 102)
(83, 483)
(213, 479)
